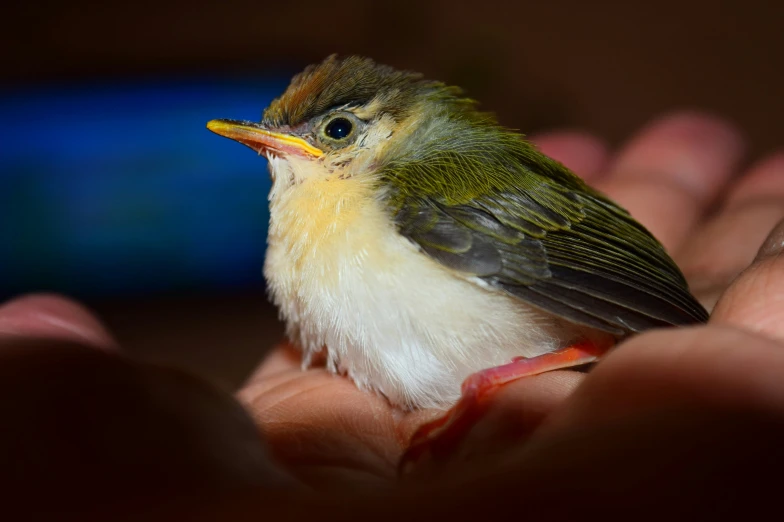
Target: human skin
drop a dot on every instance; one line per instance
(697, 409)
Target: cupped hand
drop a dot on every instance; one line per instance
(680, 176)
(697, 410)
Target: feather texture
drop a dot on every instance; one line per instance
(480, 199)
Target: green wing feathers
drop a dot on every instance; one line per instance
(492, 206)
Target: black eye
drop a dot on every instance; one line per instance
(338, 128)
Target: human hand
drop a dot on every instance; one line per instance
(704, 401)
(678, 176)
(694, 434)
(84, 429)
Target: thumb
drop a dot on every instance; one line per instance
(755, 300)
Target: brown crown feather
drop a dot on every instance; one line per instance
(337, 82)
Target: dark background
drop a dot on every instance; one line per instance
(112, 191)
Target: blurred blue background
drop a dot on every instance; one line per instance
(119, 189)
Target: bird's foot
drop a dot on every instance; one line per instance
(440, 438)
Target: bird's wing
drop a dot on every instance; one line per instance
(558, 246)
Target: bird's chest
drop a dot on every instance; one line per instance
(390, 317)
(326, 249)
(338, 270)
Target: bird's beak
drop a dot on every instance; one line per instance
(262, 140)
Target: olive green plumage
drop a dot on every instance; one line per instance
(480, 199)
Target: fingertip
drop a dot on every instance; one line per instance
(52, 316)
(696, 125)
(763, 180)
(584, 154)
(697, 150)
(669, 173)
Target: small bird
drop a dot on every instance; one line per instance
(418, 244)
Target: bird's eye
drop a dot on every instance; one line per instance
(339, 128)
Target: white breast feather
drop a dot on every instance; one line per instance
(390, 318)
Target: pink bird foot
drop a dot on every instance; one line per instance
(441, 437)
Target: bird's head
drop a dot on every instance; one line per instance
(350, 116)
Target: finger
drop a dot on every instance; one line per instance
(582, 153)
(698, 410)
(708, 363)
(764, 180)
(53, 317)
(755, 301)
(729, 241)
(671, 171)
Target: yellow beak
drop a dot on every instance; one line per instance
(262, 140)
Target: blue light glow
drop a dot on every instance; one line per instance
(108, 190)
